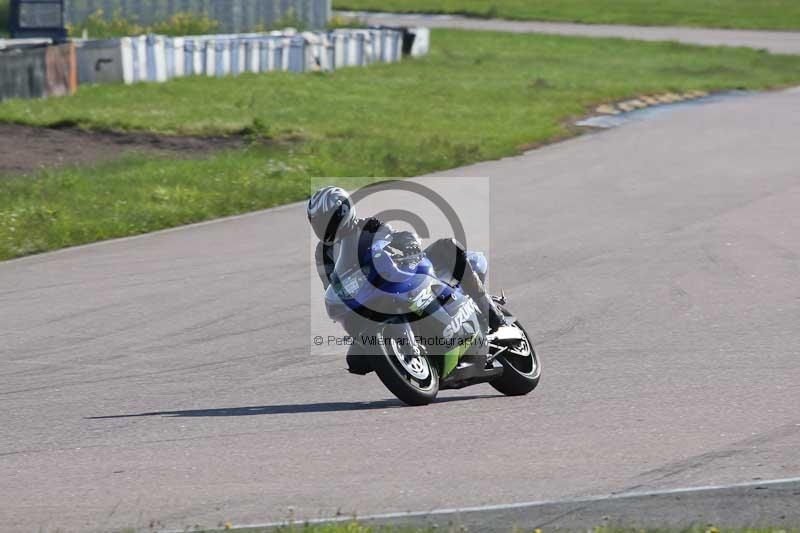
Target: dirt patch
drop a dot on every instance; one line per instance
(25, 149)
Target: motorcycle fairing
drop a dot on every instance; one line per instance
(376, 281)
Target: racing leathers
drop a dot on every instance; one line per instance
(448, 257)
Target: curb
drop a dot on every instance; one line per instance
(646, 101)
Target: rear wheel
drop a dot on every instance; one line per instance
(521, 367)
(411, 377)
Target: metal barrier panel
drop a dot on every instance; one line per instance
(201, 58)
(249, 54)
(138, 59)
(22, 73)
(286, 49)
(134, 42)
(169, 57)
(252, 50)
(398, 45)
(100, 61)
(278, 51)
(188, 57)
(37, 71)
(61, 73)
(297, 54)
(209, 57)
(241, 57)
(361, 50)
(178, 58)
(330, 54)
(219, 67)
(341, 43)
(377, 43)
(151, 58)
(265, 55)
(160, 58)
(234, 47)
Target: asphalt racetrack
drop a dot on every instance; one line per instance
(776, 42)
(166, 379)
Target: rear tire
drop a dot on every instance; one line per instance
(521, 373)
(415, 382)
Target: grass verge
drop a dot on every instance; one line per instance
(355, 527)
(754, 14)
(477, 96)
(137, 194)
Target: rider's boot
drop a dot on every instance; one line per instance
(489, 309)
(358, 362)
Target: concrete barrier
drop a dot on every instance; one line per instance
(34, 71)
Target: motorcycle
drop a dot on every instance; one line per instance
(421, 333)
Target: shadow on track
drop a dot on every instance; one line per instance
(323, 407)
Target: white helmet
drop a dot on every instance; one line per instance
(330, 213)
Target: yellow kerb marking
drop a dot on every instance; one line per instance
(606, 109)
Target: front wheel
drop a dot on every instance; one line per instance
(521, 367)
(412, 378)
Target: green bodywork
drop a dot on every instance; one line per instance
(452, 357)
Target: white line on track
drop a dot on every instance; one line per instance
(518, 505)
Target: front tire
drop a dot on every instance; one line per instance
(414, 380)
(522, 368)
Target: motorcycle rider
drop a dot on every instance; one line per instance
(332, 216)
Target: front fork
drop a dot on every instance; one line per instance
(409, 346)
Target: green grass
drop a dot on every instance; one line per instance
(4, 15)
(477, 96)
(100, 26)
(757, 14)
(97, 26)
(137, 195)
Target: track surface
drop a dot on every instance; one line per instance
(775, 504)
(777, 42)
(657, 264)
